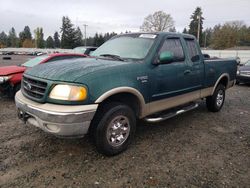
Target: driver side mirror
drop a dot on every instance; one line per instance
(166, 57)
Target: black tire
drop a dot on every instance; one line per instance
(216, 101)
(102, 121)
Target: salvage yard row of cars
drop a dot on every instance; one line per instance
(243, 73)
(149, 76)
(11, 76)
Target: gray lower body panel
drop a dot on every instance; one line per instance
(60, 120)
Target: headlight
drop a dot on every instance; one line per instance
(68, 93)
(4, 78)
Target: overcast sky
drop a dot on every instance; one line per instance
(114, 15)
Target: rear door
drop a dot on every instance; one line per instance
(195, 70)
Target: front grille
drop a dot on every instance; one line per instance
(245, 72)
(34, 88)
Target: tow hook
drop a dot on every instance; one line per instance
(22, 116)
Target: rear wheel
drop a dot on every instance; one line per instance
(216, 101)
(113, 128)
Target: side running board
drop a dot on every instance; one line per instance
(171, 114)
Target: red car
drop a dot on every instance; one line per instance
(11, 76)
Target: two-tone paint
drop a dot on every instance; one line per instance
(156, 87)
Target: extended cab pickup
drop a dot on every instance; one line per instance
(150, 76)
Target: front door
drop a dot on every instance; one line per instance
(169, 79)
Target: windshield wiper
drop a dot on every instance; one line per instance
(116, 57)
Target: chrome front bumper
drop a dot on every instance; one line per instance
(60, 120)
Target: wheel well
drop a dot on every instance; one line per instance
(223, 81)
(126, 98)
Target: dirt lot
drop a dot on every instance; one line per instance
(196, 149)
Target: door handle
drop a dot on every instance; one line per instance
(187, 72)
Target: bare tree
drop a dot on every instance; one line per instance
(159, 21)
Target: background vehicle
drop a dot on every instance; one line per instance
(10, 76)
(150, 76)
(243, 73)
(87, 50)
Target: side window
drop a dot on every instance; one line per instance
(173, 45)
(193, 50)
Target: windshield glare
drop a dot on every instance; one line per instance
(127, 47)
(35, 61)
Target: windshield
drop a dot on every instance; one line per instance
(247, 63)
(79, 50)
(35, 61)
(132, 46)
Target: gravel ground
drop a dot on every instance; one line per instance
(196, 149)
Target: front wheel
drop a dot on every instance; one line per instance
(216, 101)
(115, 126)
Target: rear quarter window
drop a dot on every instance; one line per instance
(193, 51)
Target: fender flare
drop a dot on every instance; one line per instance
(120, 90)
(219, 79)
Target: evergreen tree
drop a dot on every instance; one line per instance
(78, 37)
(207, 36)
(98, 40)
(12, 38)
(49, 42)
(185, 31)
(3, 40)
(57, 43)
(106, 36)
(25, 35)
(68, 33)
(39, 38)
(95, 39)
(196, 17)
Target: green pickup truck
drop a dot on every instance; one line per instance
(149, 76)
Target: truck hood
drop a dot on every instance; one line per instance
(71, 69)
(8, 70)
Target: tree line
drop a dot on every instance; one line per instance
(69, 37)
(221, 36)
(228, 35)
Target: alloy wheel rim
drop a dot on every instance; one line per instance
(118, 131)
(220, 98)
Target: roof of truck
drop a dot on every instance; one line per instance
(163, 33)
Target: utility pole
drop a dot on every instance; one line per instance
(85, 34)
(205, 43)
(199, 28)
